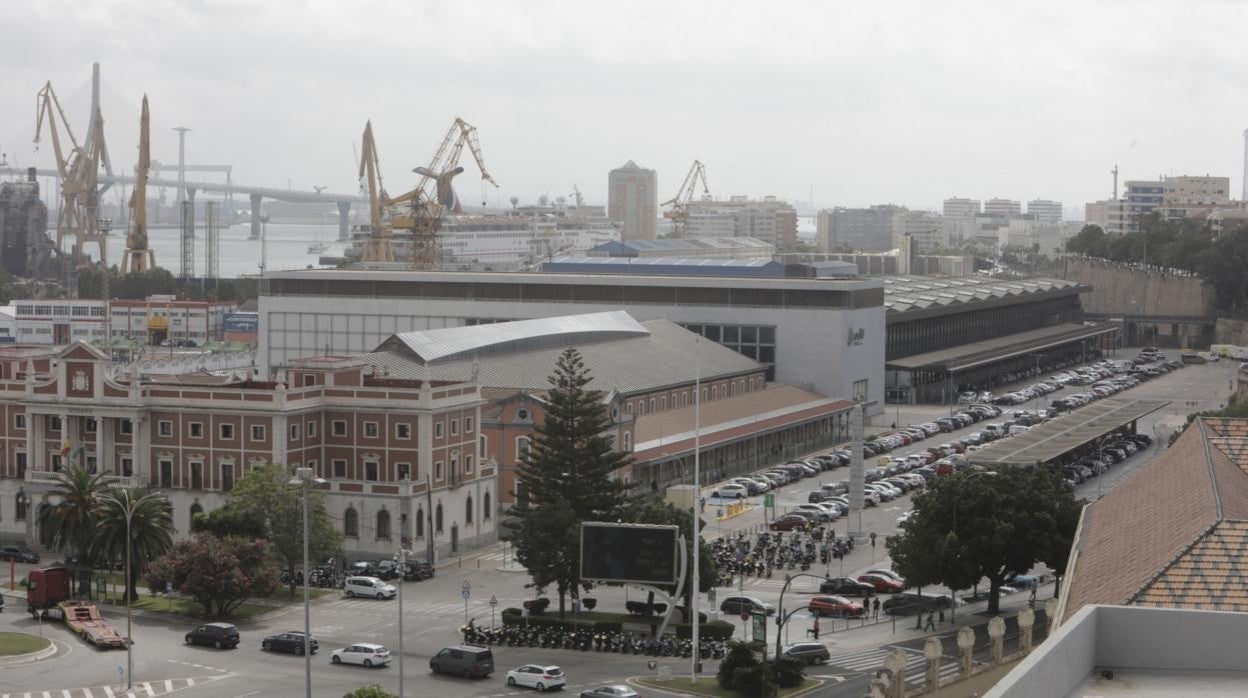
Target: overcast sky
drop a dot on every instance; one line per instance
(868, 102)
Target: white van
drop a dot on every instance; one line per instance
(995, 431)
(369, 587)
(1017, 429)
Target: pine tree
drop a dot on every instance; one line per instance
(568, 475)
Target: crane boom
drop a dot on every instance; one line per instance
(379, 247)
(76, 217)
(138, 256)
(679, 213)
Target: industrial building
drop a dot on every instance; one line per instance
(57, 322)
(689, 248)
(826, 334)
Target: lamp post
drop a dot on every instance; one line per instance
(124, 501)
(305, 478)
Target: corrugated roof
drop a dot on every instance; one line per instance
(905, 293)
(677, 244)
(1056, 437)
(661, 357)
(431, 346)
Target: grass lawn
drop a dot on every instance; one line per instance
(21, 643)
(706, 686)
(189, 607)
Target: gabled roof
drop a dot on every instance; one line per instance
(907, 293)
(1173, 535)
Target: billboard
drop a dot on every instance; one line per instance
(242, 322)
(629, 553)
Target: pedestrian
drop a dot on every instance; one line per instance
(931, 621)
(875, 608)
(816, 628)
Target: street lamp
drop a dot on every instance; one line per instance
(305, 478)
(123, 500)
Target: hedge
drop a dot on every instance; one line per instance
(715, 630)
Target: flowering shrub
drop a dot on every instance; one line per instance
(218, 573)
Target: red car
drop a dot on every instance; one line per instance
(882, 584)
(788, 522)
(836, 606)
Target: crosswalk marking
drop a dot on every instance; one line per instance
(143, 690)
(867, 661)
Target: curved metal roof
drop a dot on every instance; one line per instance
(459, 342)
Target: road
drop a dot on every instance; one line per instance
(433, 611)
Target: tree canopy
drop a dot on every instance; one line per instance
(975, 525)
(656, 510)
(218, 573)
(568, 477)
(149, 529)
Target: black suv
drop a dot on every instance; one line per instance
(17, 554)
(418, 571)
(844, 586)
(807, 652)
(219, 635)
(291, 641)
(386, 570)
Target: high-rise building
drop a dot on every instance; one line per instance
(1045, 212)
(633, 201)
(961, 208)
(1006, 208)
(1188, 190)
(926, 230)
(860, 229)
(1142, 198)
(768, 219)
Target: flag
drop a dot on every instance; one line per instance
(66, 447)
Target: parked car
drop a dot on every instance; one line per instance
(290, 641)
(537, 676)
(888, 573)
(909, 604)
(844, 586)
(736, 605)
(805, 652)
(368, 586)
(18, 554)
(730, 490)
(418, 571)
(881, 583)
(463, 660)
(219, 635)
(788, 522)
(616, 691)
(835, 606)
(363, 653)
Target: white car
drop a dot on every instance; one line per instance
(364, 653)
(371, 587)
(730, 490)
(870, 497)
(537, 676)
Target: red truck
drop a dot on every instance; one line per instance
(48, 594)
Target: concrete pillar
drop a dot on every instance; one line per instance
(996, 634)
(104, 445)
(931, 658)
(1026, 620)
(255, 217)
(895, 665)
(856, 473)
(344, 221)
(966, 644)
(1050, 611)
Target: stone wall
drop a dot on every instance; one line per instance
(1120, 290)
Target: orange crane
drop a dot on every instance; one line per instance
(79, 172)
(679, 212)
(138, 257)
(378, 247)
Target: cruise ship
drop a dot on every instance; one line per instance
(516, 239)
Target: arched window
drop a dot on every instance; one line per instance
(437, 519)
(420, 522)
(383, 525)
(522, 448)
(468, 510)
(22, 505)
(351, 523)
(628, 441)
(485, 510)
(196, 509)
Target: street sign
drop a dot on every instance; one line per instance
(769, 500)
(465, 590)
(745, 615)
(872, 543)
(493, 600)
(525, 612)
(168, 587)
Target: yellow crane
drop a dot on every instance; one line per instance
(79, 173)
(378, 247)
(138, 256)
(679, 212)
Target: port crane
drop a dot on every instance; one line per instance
(79, 173)
(679, 211)
(378, 247)
(138, 257)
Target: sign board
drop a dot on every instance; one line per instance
(758, 631)
(465, 590)
(493, 600)
(629, 553)
(242, 322)
(168, 587)
(769, 500)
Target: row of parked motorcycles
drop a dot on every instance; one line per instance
(321, 578)
(586, 640)
(759, 555)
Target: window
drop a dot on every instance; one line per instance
(351, 523)
(468, 425)
(485, 506)
(196, 430)
(454, 427)
(714, 392)
(522, 448)
(22, 504)
(19, 421)
(127, 466)
(340, 427)
(860, 390)
(403, 430)
(311, 429)
(481, 444)
(404, 470)
(663, 404)
(21, 464)
(257, 432)
(127, 427)
(294, 432)
(227, 477)
(227, 432)
(383, 525)
(628, 441)
(89, 424)
(468, 464)
(628, 408)
(437, 519)
(437, 470)
(370, 430)
(55, 424)
(164, 428)
(437, 430)
(370, 470)
(197, 475)
(468, 510)
(196, 509)
(340, 467)
(166, 473)
(56, 462)
(420, 522)
(652, 403)
(92, 464)
(455, 465)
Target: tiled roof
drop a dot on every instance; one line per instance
(1176, 533)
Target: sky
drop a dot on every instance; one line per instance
(861, 103)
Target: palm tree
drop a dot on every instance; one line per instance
(150, 529)
(69, 519)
